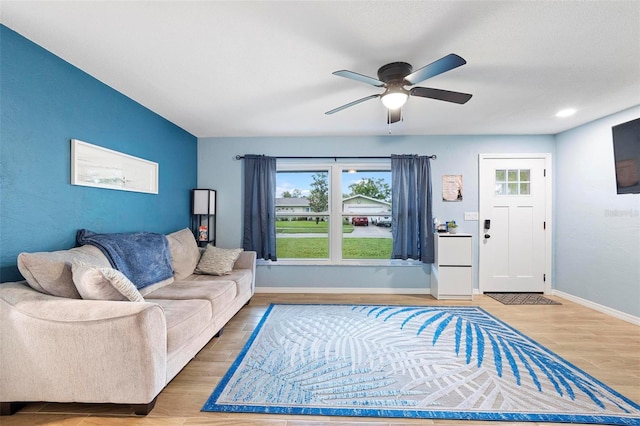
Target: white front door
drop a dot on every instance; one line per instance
(514, 227)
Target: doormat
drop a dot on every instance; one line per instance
(522, 299)
(424, 362)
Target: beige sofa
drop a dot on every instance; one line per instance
(58, 347)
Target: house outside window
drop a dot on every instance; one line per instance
(334, 213)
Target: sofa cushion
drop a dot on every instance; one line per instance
(185, 320)
(243, 279)
(103, 283)
(153, 287)
(50, 272)
(217, 261)
(218, 292)
(185, 253)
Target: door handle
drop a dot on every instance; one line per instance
(487, 236)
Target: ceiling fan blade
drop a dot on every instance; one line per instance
(394, 115)
(359, 77)
(444, 64)
(340, 108)
(441, 95)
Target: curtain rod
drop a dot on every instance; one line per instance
(241, 157)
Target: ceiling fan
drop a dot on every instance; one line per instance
(395, 76)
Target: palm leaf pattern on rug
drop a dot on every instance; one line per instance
(407, 358)
(478, 334)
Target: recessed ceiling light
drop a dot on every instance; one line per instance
(565, 112)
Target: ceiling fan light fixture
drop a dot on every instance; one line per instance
(394, 100)
(393, 77)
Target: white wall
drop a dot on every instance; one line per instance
(597, 232)
(217, 169)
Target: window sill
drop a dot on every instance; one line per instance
(353, 262)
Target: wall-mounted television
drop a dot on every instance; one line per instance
(626, 152)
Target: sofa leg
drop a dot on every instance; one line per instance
(9, 408)
(219, 333)
(144, 409)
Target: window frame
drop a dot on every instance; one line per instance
(518, 182)
(335, 171)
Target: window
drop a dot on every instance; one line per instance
(302, 214)
(334, 213)
(513, 182)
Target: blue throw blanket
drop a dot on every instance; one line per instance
(143, 257)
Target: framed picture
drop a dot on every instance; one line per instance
(452, 188)
(93, 165)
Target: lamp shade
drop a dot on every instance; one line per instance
(394, 100)
(204, 201)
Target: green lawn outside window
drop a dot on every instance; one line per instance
(318, 248)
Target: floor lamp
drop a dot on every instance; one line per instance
(203, 219)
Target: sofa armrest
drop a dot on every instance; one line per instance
(73, 350)
(247, 260)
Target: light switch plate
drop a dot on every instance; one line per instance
(470, 215)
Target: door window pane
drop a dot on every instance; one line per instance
(513, 182)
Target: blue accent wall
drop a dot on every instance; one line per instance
(44, 103)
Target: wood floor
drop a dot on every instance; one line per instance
(603, 346)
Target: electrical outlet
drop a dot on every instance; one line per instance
(470, 215)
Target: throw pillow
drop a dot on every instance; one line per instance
(50, 272)
(185, 253)
(103, 283)
(217, 261)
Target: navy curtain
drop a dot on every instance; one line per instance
(412, 228)
(260, 206)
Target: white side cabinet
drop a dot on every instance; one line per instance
(452, 270)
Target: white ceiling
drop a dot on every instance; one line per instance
(263, 68)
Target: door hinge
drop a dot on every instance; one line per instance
(544, 172)
(544, 225)
(544, 277)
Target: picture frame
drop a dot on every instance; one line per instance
(99, 167)
(452, 188)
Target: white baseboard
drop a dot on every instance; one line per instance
(345, 290)
(379, 290)
(597, 307)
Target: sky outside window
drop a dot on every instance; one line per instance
(288, 181)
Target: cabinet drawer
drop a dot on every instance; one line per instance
(454, 251)
(455, 281)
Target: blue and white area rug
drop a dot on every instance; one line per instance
(413, 362)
